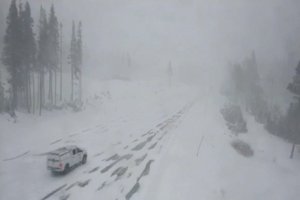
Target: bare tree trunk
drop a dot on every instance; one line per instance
(41, 90)
(14, 96)
(40, 93)
(29, 92)
(61, 58)
(33, 93)
(26, 92)
(292, 152)
(72, 83)
(50, 94)
(60, 95)
(55, 80)
(80, 87)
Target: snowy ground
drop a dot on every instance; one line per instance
(200, 163)
(144, 141)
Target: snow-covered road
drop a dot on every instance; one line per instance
(113, 173)
(173, 146)
(122, 146)
(118, 174)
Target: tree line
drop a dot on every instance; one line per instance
(35, 63)
(245, 89)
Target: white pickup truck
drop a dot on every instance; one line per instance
(65, 158)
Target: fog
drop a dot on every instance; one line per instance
(199, 37)
(174, 99)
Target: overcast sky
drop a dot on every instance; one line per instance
(199, 37)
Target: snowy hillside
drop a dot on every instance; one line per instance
(144, 141)
(114, 116)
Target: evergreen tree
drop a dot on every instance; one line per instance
(79, 58)
(42, 55)
(238, 78)
(253, 92)
(293, 115)
(28, 49)
(245, 88)
(73, 61)
(53, 51)
(61, 58)
(294, 87)
(76, 62)
(236, 84)
(11, 55)
(79, 46)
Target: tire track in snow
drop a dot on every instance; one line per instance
(127, 157)
(136, 186)
(123, 172)
(53, 192)
(139, 147)
(16, 157)
(170, 124)
(56, 141)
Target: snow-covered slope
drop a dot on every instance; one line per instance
(200, 162)
(144, 141)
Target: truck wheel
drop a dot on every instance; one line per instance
(67, 169)
(84, 159)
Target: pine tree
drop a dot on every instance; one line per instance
(293, 114)
(42, 55)
(237, 86)
(76, 62)
(53, 53)
(28, 50)
(22, 67)
(253, 92)
(11, 55)
(79, 45)
(79, 59)
(294, 87)
(73, 59)
(61, 58)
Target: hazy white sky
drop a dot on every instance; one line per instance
(198, 36)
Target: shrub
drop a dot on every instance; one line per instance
(234, 119)
(242, 148)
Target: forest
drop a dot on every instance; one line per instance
(33, 62)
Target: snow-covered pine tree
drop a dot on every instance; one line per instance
(294, 87)
(79, 59)
(28, 49)
(237, 85)
(76, 63)
(53, 53)
(293, 115)
(73, 58)
(11, 55)
(60, 60)
(42, 56)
